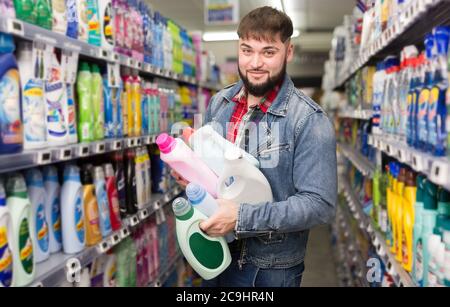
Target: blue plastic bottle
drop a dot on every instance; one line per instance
(11, 138)
(118, 113)
(419, 105)
(102, 200)
(72, 19)
(411, 122)
(110, 117)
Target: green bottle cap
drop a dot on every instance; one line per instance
(16, 186)
(95, 69)
(181, 207)
(84, 67)
(430, 196)
(420, 183)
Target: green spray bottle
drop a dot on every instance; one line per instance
(208, 256)
(98, 103)
(85, 114)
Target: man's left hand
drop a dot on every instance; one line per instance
(223, 221)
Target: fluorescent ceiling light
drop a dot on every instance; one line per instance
(230, 36)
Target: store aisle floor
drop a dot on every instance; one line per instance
(320, 267)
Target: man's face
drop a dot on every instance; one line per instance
(262, 64)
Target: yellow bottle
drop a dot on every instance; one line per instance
(389, 204)
(128, 86)
(409, 196)
(399, 214)
(91, 215)
(136, 93)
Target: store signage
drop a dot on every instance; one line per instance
(221, 12)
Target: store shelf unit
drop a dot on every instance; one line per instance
(410, 27)
(34, 33)
(363, 164)
(165, 272)
(356, 114)
(437, 169)
(401, 277)
(60, 268)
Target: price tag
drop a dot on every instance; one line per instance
(83, 150)
(43, 157)
(15, 26)
(69, 66)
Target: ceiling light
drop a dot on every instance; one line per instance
(220, 36)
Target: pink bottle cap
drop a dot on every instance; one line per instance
(165, 142)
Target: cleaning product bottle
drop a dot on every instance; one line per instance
(390, 236)
(437, 134)
(443, 210)
(429, 222)
(148, 175)
(25, 10)
(130, 181)
(144, 108)
(94, 35)
(409, 53)
(184, 161)
(83, 20)
(446, 241)
(203, 202)
(106, 24)
(59, 16)
(72, 211)
(447, 122)
(139, 168)
(90, 204)
(208, 256)
(33, 104)
(113, 198)
(97, 103)
(22, 239)
(52, 207)
(6, 237)
(120, 179)
(129, 102)
(56, 100)
(418, 226)
(137, 103)
(72, 18)
(36, 193)
(44, 14)
(117, 102)
(409, 198)
(11, 137)
(70, 111)
(248, 184)
(399, 210)
(411, 100)
(376, 199)
(211, 147)
(124, 107)
(110, 126)
(102, 200)
(85, 107)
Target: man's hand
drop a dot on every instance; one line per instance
(223, 221)
(179, 179)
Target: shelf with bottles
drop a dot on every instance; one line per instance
(376, 39)
(166, 271)
(394, 269)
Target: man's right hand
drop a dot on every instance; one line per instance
(179, 179)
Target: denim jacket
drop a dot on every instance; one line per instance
(296, 147)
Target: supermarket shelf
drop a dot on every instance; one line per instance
(165, 272)
(419, 18)
(34, 33)
(401, 277)
(34, 158)
(54, 271)
(356, 114)
(437, 169)
(363, 164)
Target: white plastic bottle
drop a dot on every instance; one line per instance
(36, 193)
(208, 256)
(52, 207)
(83, 26)
(102, 200)
(22, 238)
(203, 202)
(72, 211)
(106, 15)
(56, 109)
(70, 115)
(59, 16)
(211, 147)
(33, 103)
(248, 184)
(6, 237)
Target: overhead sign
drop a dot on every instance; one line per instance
(221, 12)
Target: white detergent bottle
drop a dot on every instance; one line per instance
(106, 15)
(211, 147)
(22, 239)
(52, 207)
(102, 201)
(203, 202)
(6, 237)
(208, 256)
(59, 16)
(72, 211)
(33, 103)
(248, 184)
(36, 193)
(70, 114)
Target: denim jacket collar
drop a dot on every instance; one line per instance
(280, 104)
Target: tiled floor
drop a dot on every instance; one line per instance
(320, 268)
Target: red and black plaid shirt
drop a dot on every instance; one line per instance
(241, 109)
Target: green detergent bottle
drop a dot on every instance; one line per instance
(85, 108)
(25, 10)
(44, 16)
(208, 256)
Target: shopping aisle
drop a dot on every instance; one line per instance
(320, 264)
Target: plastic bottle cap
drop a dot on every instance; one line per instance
(187, 132)
(98, 173)
(85, 67)
(165, 142)
(195, 193)
(72, 173)
(25, 46)
(33, 177)
(109, 170)
(50, 173)
(95, 69)
(430, 196)
(2, 195)
(15, 184)
(181, 206)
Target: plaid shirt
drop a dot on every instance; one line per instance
(242, 114)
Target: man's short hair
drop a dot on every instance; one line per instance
(265, 23)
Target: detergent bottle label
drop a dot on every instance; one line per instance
(113, 196)
(107, 25)
(56, 220)
(79, 219)
(11, 125)
(432, 114)
(208, 253)
(6, 259)
(25, 247)
(424, 98)
(71, 111)
(34, 111)
(41, 228)
(72, 19)
(56, 126)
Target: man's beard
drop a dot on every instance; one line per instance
(259, 90)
